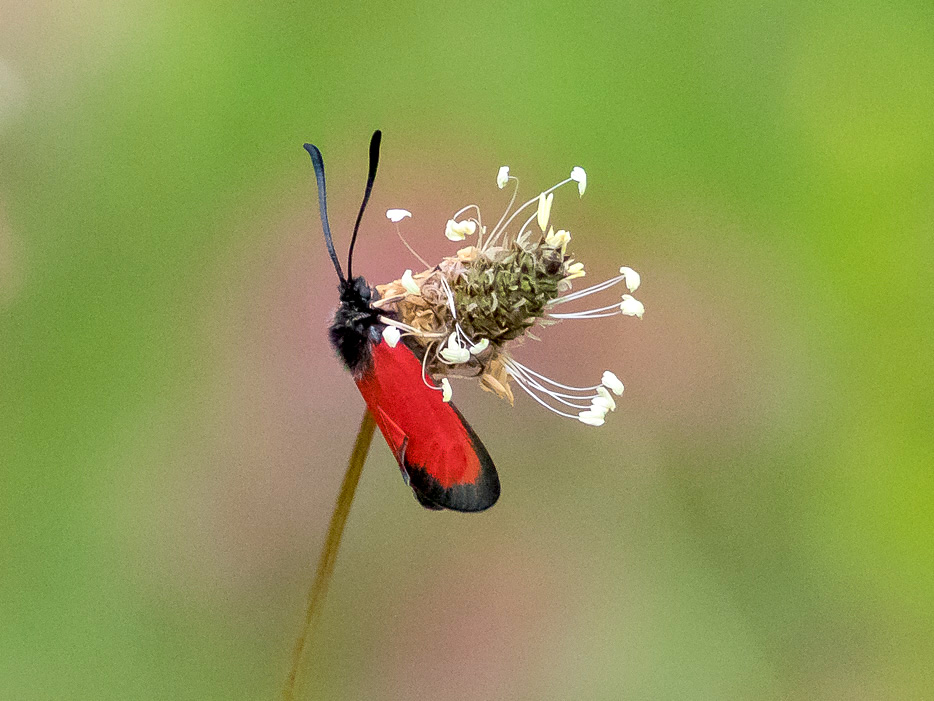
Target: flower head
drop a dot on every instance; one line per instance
(466, 315)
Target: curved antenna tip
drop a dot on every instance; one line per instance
(374, 161)
(318, 162)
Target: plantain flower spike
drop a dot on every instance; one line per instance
(468, 315)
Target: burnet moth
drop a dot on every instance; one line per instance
(441, 457)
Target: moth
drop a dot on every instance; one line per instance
(441, 457)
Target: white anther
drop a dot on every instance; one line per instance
(502, 177)
(408, 282)
(612, 382)
(397, 215)
(579, 175)
(633, 279)
(391, 335)
(630, 306)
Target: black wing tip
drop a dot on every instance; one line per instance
(312, 150)
(426, 502)
(466, 498)
(471, 497)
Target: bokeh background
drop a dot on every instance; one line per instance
(754, 522)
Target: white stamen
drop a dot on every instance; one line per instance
(425, 367)
(479, 346)
(561, 397)
(501, 227)
(579, 176)
(593, 289)
(512, 201)
(405, 327)
(540, 400)
(462, 336)
(391, 335)
(446, 390)
(586, 315)
(601, 411)
(633, 279)
(502, 177)
(478, 219)
(630, 306)
(574, 271)
(590, 418)
(550, 381)
(607, 397)
(597, 313)
(544, 209)
(612, 382)
(591, 407)
(459, 230)
(559, 239)
(450, 296)
(523, 227)
(455, 353)
(464, 209)
(408, 282)
(397, 215)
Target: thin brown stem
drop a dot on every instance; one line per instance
(328, 557)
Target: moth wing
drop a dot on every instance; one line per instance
(440, 455)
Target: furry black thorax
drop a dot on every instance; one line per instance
(356, 324)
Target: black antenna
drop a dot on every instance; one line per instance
(318, 163)
(374, 161)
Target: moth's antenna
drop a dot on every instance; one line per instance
(374, 161)
(318, 163)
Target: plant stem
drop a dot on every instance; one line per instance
(328, 557)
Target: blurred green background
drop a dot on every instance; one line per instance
(754, 522)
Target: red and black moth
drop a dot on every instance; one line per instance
(441, 457)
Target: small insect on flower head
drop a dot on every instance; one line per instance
(467, 314)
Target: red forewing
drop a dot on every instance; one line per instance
(442, 458)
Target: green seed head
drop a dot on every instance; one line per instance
(502, 293)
